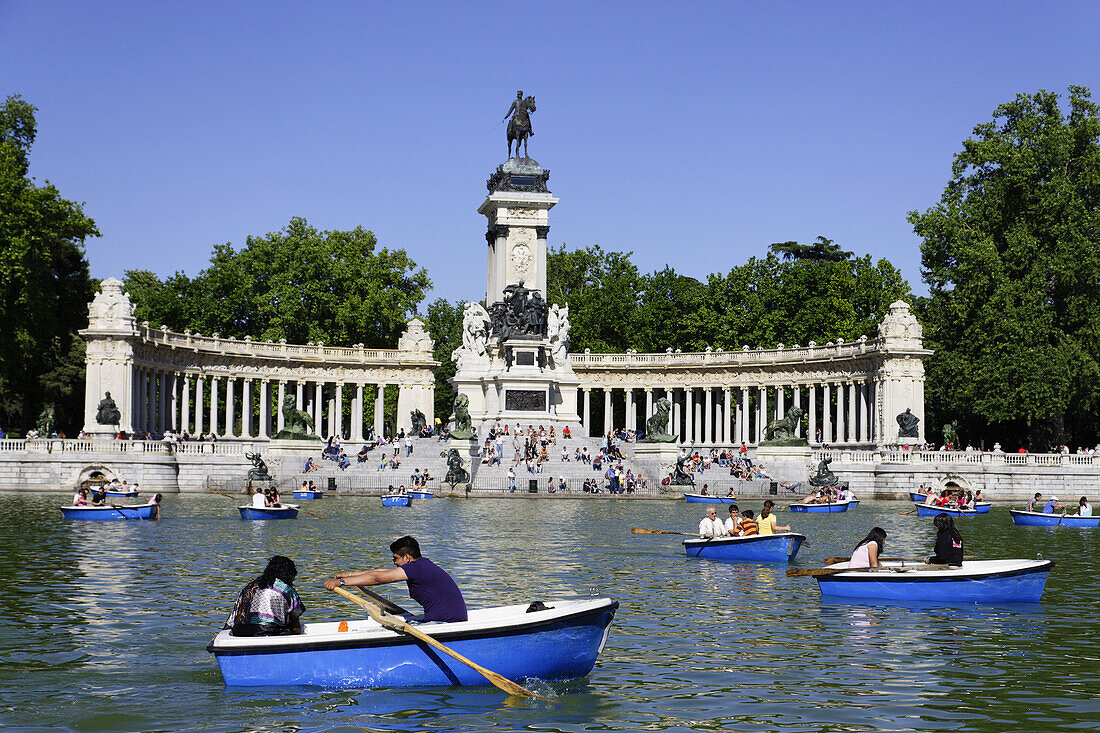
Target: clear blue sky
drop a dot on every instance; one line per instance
(693, 134)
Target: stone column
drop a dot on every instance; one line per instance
(339, 412)
(357, 414)
(214, 406)
(379, 406)
(318, 408)
(853, 419)
(162, 404)
(762, 417)
(780, 398)
(727, 416)
(648, 405)
(743, 420)
(708, 418)
(587, 411)
(867, 422)
(607, 422)
(230, 408)
(280, 421)
(826, 420)
(864, 422)
(631, 416)
(298, 385)
(200, 423)
(797, 390)
(185, 405)
(246, 409)
(812, 428)
(689, 414)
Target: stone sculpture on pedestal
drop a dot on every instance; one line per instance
(656, 427)
(462, 429)
(297, 424)
(782, 431)
(107, 413)
(824, 477)
(557, 331)
(907, 424)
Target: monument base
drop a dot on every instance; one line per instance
(787, 463)
(657, 461)
(468, 449)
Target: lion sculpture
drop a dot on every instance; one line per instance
(784, 428)
(656, 427)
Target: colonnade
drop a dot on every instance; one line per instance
(836, 412)
(248, 407)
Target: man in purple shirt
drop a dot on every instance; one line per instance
(429, 584)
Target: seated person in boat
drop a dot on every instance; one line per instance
(711, 526)
(429, 585)
(1084, 509)
(733, 524)
(846, 495)
(949, 543)
(768, 524)
(869, 549)
(749, 527)
(305, 486)
(80, 498)
(269, 605)
(1035, 502)
(155, 502)
(1051, 507)
(99, 498)
(978, 498)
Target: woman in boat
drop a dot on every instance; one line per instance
(269, 605)
(768, 523)
(869, 549)
(949, 543)
(155, 502)
(1084, 509)
(80, 498)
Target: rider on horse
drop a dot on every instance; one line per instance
(519, 129)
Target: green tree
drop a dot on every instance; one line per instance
(602, 290)
(672, 313)
(44, 283)
(822, 250)
(444, 324)
(1011, 255)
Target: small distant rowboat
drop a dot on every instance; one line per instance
(708, 499)
(982, 507)
(396, 500)
(830, 508)
(140, 511)
(286, 511)
(125, 493)
(917, 496)
(308, 494)
(561, 642)
(977, 581)
(756, 548)
(420, 494)
(927, 510)
(1038, 519)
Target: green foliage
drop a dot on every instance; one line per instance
(444, 324)
(602, 290)
(44, 283)
(822, 250)
(298, 284)
(1011, 255)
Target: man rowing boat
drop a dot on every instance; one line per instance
(429, 585)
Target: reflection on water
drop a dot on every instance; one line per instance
(104, 625)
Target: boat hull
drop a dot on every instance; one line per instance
(122, 494)
(757, 548)
(308, 495)
(979, 581)
(100, 513)
(701, 499)
(400, 500)
(1038, 519)
(284, 512)
(420, 494)
(926, 510)
(981, 508)
(832, 508)
(556, 644)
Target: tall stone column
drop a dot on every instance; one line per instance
(689, 414)
(812, 428)
(185, 405)
(298, 394)
(727, 416)
(199, 422)
(826, 420)
(607, 413)
(138, 400)
(265, 408)
(762, 418)
(780, 399)
(339, 411)
(246, 409)
(214, 406)
(797, 392)
(230, 407)
(162, 420)
(587, 411)
(318, 408)
(357, 414)
(379, 410)
(631, 412)
(648, 405)
(708, 417)
(853, 418)
(866, 394)
(744, 417)
(280, 421)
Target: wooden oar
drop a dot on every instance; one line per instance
(814, 572)
(396, 623)
(908, 512)
(387, 605)
(227, 496)
(642, 530)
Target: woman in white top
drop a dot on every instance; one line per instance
(867, 552)
(1084, 509)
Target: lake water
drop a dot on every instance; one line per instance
(104, 624)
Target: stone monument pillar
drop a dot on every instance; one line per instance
(109, 362)
(418, 345)
(513, 364)
(900, 378)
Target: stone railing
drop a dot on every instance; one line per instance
(132, 447)
(742, 357)
(1053, 460)
(268, 349)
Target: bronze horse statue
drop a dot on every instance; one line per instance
(519, 129)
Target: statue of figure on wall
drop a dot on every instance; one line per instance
(782, 430)
(463, 429)
(297, 424)
(907, 424)
(107, 412)
(419, 422)
(824, 477)
(656, 427)
(45, 421)
(259, 468)
(456, 473)
(475, 329)
(557, 329)
(519, 128)
(522, 312)
(680, 475)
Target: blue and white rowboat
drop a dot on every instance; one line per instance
(927, 510)
(286, 511)
(308, 494)
(755, 548)
(124, 493)
(830, 508)
(140, 511)
(396, 500)
(708, 499)
(559, 643)
(420, 494)
(982, 507)
(1038, 519)
(977, 581)
(917, 496)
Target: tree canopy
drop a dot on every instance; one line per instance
(1011, 255)
(44, 283)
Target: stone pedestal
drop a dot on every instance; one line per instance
(789, 463)
(656, 460)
